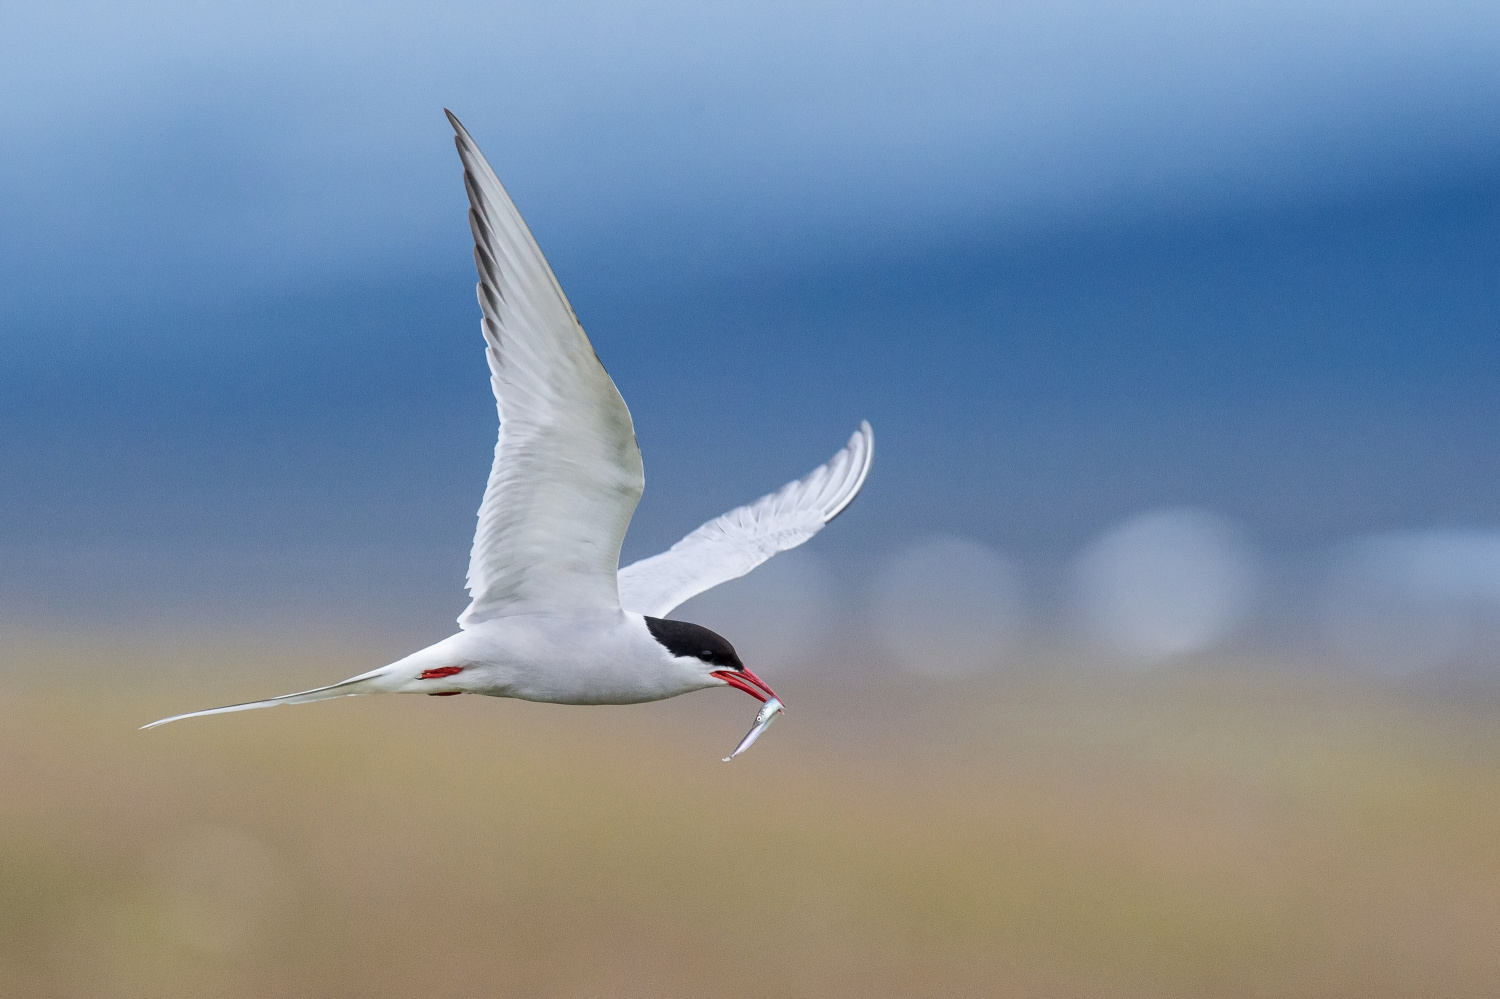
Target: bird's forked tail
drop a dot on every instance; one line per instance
(365, 683)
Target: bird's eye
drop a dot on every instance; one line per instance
(706, 656)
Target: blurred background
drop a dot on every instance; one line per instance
(1160, 656)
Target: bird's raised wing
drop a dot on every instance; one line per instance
(567, 472)
(731, 545)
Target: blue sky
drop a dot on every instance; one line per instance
(1073, 260)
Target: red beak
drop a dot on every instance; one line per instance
(743, 679)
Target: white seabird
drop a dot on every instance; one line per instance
(552, 616)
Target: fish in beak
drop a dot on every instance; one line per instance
(771, 706)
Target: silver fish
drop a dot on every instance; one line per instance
(763, 720)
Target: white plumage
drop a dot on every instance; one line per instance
(567, 472)
(551, 616)
(733, 543)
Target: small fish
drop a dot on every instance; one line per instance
(763, 720)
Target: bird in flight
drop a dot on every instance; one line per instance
(552, 617)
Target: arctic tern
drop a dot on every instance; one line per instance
(552, 617)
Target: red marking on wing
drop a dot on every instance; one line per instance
(445, 693)
(440, 672)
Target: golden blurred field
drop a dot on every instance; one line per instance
(1208, 831)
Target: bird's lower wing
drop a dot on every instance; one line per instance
(729, 546)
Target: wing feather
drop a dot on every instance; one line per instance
(731, 545)
(567, 472)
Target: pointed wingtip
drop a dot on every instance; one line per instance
(468, 150)
(866, 431)
(861, 447)
(459, 132)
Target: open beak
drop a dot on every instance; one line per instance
(743, 679)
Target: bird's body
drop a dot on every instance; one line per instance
(581, 658)
(552, 617)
